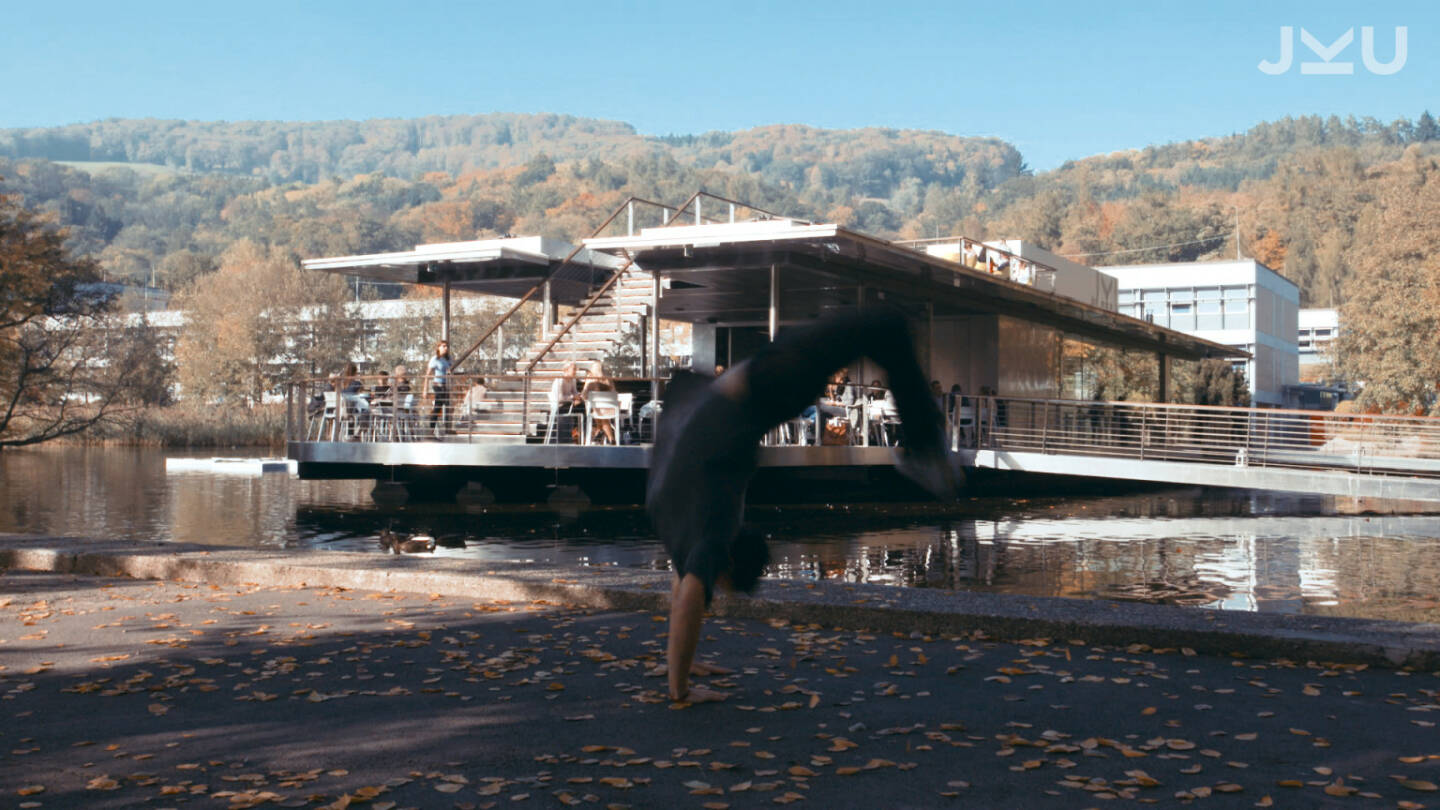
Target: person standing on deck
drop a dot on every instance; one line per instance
(705, 456)
(437, 378)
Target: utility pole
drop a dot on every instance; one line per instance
(1237, 233)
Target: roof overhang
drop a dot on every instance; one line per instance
(507, 267)
(720, 273)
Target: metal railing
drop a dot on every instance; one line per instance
(375, 408)
(354, 409)
(977, 255)
(1243, 437)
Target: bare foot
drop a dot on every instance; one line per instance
(701, 694)
(696, 668)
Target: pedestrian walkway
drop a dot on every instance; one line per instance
(117, 692)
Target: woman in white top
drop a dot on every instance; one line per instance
(595, 380)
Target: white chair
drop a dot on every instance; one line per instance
(600, 405)
(327, 417)
(627, 413)
(382, 422)
(553, 403)
(354, 414)
(964, 424)
(883, 417)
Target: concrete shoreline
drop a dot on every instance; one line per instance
(850, 606)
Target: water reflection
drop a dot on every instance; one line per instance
(1241, 551)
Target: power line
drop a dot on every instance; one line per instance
(1230, 235)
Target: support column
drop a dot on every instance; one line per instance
(547, 315)
(445, 314)
(929, 342)
(864, 370)
(1164, 386)
(655, 335)
(774, 301)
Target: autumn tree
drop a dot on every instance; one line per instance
(258, 320)
(1390, 340)
(62, 369)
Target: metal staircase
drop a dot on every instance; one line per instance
(610, 315)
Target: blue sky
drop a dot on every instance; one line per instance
(1059, 80)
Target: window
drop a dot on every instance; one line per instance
(1182, 316)
(1124, 297)
(1211, 294)
(1209, 317)
(1182, 295)
(1322, 333)
(1235, 292)
(1237, 314)
(1153, 295)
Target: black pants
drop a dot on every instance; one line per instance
(441, 407)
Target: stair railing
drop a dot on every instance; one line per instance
(627, 206)
(695, 199)
(574, 319)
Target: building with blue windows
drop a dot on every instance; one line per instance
(1239, 303)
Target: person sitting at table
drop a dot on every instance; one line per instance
(565, 394)
(475, 398)
(354, 408)
(400, 382)
(381, 393)
(595, 380)
(350, 382)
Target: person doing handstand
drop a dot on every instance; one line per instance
(705, 455)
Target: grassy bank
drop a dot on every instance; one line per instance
(191, 426)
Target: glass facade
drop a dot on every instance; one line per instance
(1193, 308)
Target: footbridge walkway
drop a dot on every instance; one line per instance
(1320, 452)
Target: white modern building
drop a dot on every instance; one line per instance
(1239, 303)
(1318, 329)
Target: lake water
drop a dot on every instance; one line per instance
(1233, 550)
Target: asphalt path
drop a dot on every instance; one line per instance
(125, 693)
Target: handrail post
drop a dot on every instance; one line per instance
(289, 409)
(525, 406)
(1265, 453)
(865, 418)
(697, 211)
(1044, 426)
(1249, 432)
(630, 218)
(1144, 430)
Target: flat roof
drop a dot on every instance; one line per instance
(720, 273)
(507, 267)
(1240, 265)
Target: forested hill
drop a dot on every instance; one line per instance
(164, 199)
(871, 162)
